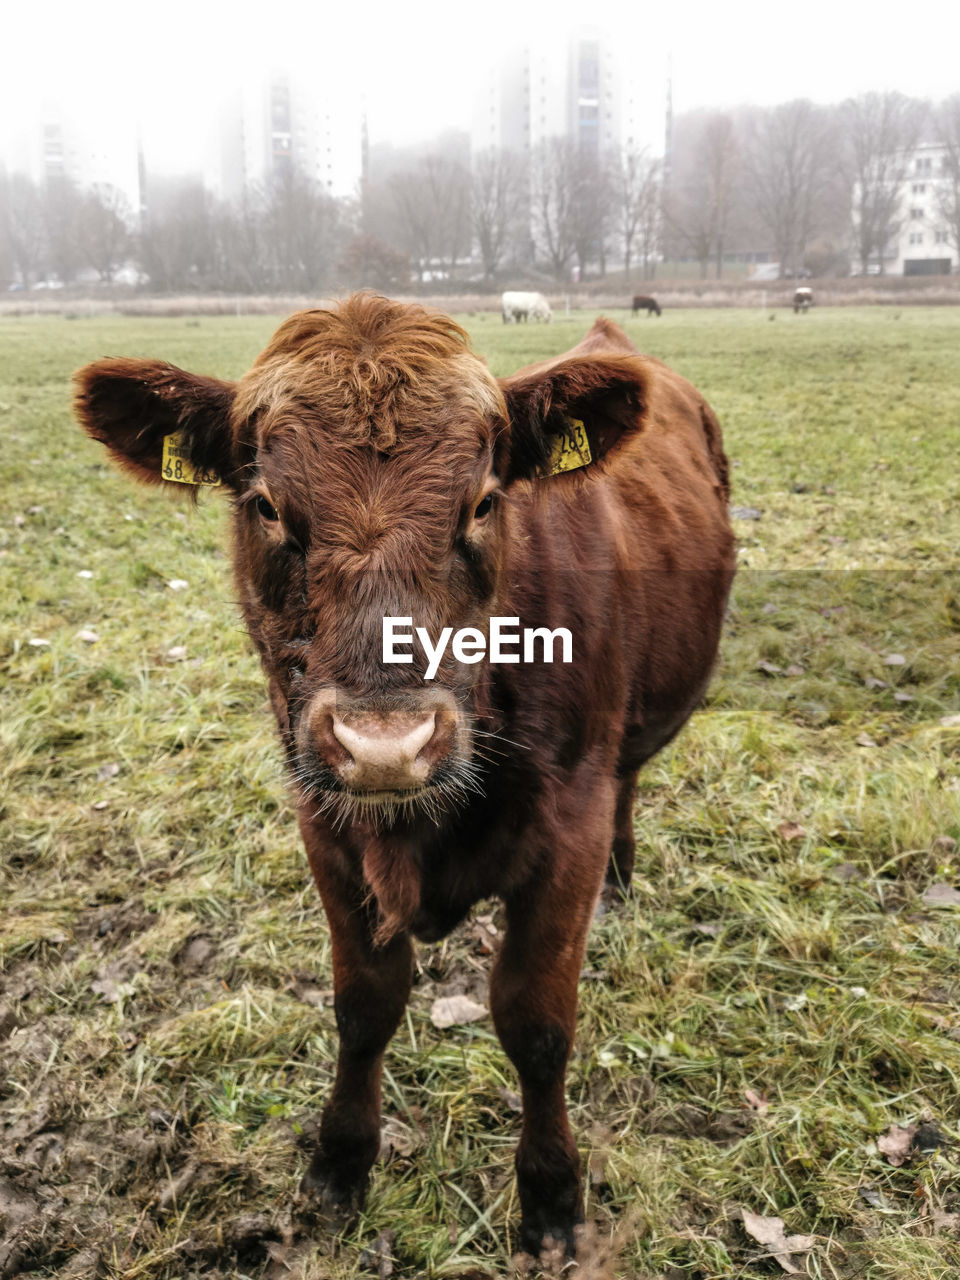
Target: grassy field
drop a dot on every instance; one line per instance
(780, 989)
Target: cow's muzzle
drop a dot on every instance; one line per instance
(376, 752)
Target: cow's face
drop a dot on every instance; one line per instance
(372, 492)
(371, 458)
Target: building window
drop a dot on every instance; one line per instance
(919, 188)
(941, 237)
(916, 213)
(916, 237)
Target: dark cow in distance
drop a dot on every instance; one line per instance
(644, 302)
(377, 469)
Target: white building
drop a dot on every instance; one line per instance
(92, 146)
(922, 243)
(284, 121)
(924, 246)
(557, 85)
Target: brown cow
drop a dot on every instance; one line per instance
(645, 302)
(379, 470)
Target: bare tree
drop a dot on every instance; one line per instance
(552, 183)
(432, 206)
(881, 130)
(635, 186)
(788, 170)
(948, 186)
(368, 263)
(22, 226)
(178, 238)
(62, 205)
(499, 205)
(589, 177)
(704, 188)
(302, 229)
(104, 230)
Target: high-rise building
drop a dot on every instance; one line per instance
(560, 85)
(287, 121)
(90, 147)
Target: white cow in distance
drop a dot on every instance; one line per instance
(525, 306)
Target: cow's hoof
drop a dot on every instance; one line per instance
(548, 1244)
(329, 1199)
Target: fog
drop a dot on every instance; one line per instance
(417, 65)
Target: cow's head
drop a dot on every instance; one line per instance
(372, 460)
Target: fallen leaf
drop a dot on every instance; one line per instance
(100, 804)
(791, 831)
(379, 1257)
(899, 696)
(847, 871)
(178, 652)
(769, 1232)
(37, 643)
(873, 1198)
(948, 722)
(945, 1224)
(896, 1144)
(864, 740)
(85, 573)
(454, 1011)
(107, 771)
(769, 608)
(795, 669)
(512, 1099)
(88, 636)
(873, 683)
(857, 993)
(106, 988)
(894, 660)
(398, 1138)
(311, 993)
(946, 844)
(758, 1101)
(746, 513)
(178, 584)
(942, 895)
(793, 1004)
(769, 668)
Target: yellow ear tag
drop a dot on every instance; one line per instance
(570, 449)
(175, 464)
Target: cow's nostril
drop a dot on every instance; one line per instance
(385, 751)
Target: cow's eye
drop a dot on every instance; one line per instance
(268, 511)
(483, 507)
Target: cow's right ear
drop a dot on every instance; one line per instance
(135, 406)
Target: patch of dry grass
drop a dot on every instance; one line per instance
(775, 993)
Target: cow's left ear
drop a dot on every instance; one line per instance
(570, 414)
(161, 424)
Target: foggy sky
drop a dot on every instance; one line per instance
(417, 61)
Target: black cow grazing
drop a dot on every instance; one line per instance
(643, 302)
(802, 299)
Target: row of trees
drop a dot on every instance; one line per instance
(817, 187)
(813, 187)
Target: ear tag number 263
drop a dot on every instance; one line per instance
(570, 450)
(175, 464)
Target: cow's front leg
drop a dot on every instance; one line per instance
(371, 988)
(533, 998)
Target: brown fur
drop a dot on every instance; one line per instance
(374, 431)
